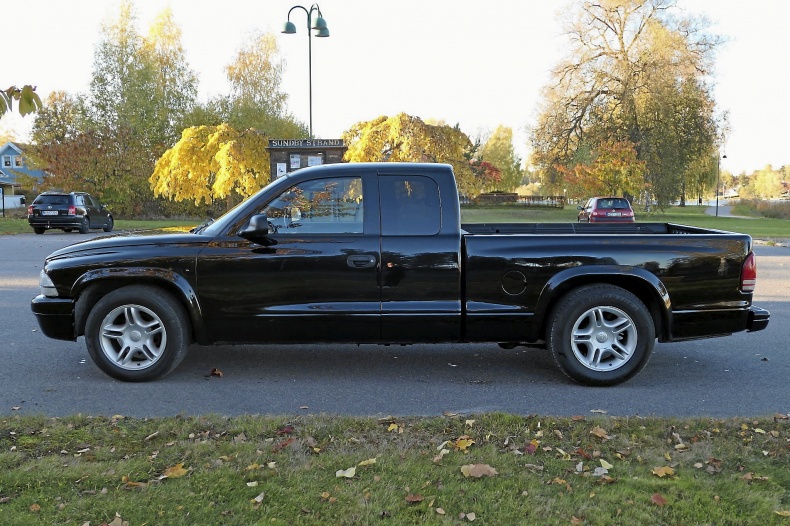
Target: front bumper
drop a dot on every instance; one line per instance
(55, 316)
(758, 319)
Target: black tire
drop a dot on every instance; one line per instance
(38, 230)
(68, 229)
(600, 335)
(85, 226)
(109, 225)
(137, 333)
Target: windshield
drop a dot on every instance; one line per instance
(224, 221)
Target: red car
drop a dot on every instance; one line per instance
(606, 210)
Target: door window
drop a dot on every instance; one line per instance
(319, 206)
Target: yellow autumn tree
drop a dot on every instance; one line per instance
(405, 138)
(210, 163)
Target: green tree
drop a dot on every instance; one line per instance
(212, 163)
(256, 99)
(636, 72)
(175, 84)
(498, 150)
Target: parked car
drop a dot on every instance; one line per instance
(68, 211)
(376, 253)
(606, 210)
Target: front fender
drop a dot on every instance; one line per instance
(91, 285)
(640, 282)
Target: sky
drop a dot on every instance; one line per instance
(479, 64)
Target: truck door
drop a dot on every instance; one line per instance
(420, 271)
(314, 278)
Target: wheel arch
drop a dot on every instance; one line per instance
(639, 282)
(95, 284)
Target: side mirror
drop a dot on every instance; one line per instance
(257, 227)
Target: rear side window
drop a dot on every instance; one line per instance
(409, 206)
(51, 200)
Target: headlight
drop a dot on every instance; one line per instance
(46, 285)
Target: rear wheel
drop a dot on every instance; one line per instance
(38, 230)
(137, 333)
(85, 226)
(600, 335)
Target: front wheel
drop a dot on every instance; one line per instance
(84, 226)
(137, 333)
(109, 225)
(600, 335)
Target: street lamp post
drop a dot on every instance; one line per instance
(718, 177)
(320, 31)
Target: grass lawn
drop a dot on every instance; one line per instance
(487, 469)
(20, 226)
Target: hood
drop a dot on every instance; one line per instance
(161, 237)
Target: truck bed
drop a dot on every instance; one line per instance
(584, 228)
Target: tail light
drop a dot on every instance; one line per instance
(749, 273)
(72, 210)
(30, 210)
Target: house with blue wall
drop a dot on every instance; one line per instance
(12, 167)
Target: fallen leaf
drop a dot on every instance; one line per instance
(471, 517)
(599, 411)
(463, 443)
(600, 433)
(470, 423)
(35, 507)
(658, 499)
(283, 444)
(531, 447)
(347, 473)
(606, 465)
(478, 470)
(287, 430)
(216, 372)
(414, 497)
(442, 453)
(440, 511)
(367, 462)
(174, 472)
(783, 513)
(663, 471)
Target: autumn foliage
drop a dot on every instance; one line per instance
(613, 169)
(211, 163)
(405, 138)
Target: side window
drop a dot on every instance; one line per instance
(409, 206)
(320, 206)
(78, 200)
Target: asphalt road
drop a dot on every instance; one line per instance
(741, 375)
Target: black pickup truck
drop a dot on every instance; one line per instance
(376, 253)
